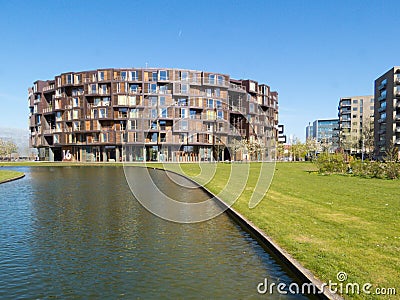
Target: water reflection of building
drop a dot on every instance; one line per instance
(151, 114)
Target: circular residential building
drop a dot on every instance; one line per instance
(152, 114)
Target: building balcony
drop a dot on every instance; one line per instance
(382, 109)
(382, 86)
(49, 88)
(48, 110)
(382, 131)
(397, 93)
(48, 131)
(382, 120)
(397, 80)
(381, 143)
(345, 104)
(237, 88)
(382, 97)
(215, 82)
(238, 109)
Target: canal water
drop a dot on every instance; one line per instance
(78, 232)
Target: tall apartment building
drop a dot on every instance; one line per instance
(326, 133)
(387, 111)
(356, 123)
(151, 114)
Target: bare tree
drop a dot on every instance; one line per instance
(7, 148)
(367, 139)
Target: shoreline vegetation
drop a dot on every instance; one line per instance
(8, 175)
(330, 224)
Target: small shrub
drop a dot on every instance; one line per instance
(331, 163)
(392, 170)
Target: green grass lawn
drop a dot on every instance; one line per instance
(7, 175)
(328, 223)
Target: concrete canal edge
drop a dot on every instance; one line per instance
(268, 243)
(13, 178)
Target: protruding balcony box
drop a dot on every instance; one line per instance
(382, 86)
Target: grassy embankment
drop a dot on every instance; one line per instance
(6, 175)
(330, 224)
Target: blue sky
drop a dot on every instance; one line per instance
(311, 52)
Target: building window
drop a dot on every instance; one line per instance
(192, 114)
(134, 113)
(220, 80)
(154, 76)
(217, 92)
(75, 102)
(210, 115)
(218, 104)
(134, 136)
(184, 88)
(133, 124)
(183, 113)
(355, 101)
(162, 101)
(184, 75)
(103, 89)
(93, 88)
(355, 108)
(182, 102)
(164, 112)
(75, 114)
(208, 92)
(134, 88)
(76, 125)
(163, 75)
(123, 75)
(102, 113)
(211, 78)
(153, 113)
(70, 79)
(251, 107)
(210, 103)
(134, 75)
(152, 101)
(183, 124)
(163, 89)
(220, 115)
(152, 88)
(101, 75)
